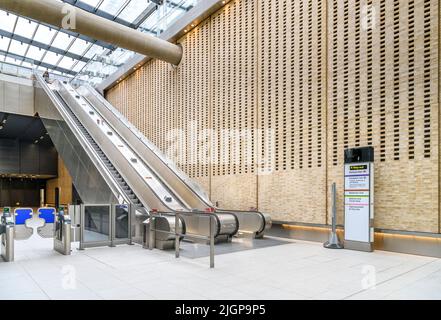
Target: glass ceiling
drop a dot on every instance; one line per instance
(30, 44)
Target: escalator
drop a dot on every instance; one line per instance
(133, 170)
(251, 222)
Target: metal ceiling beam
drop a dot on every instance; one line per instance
(144, 15)
(36, 62)
(40, 45)
(51, 12)
(104, 14)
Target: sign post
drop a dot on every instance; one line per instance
(359, 199)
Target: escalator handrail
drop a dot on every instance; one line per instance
(262, 229)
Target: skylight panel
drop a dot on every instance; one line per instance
(151, 21)
(66, 63)
(18, 48)
(12, 60)
(79, 66)
(27, 64)
(35, 53)
(133, 10)
(112, 6)
(4, 43)
(93, 51)
(8, 21)
(92, 3)
(44, 34)
(51, 58)
(79, 47)
(25, 28)
(62, 41)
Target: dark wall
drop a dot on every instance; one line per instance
(23, 157)
(26, 192)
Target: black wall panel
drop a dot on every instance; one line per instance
(48, 160)
(21, 192)
(9, 156)
(29, 158)
(25, 157)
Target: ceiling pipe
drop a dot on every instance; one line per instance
(66, 16)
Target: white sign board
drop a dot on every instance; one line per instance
(358, 203)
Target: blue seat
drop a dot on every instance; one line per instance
(48, 214)
(21, 215)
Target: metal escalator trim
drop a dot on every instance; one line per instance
(145, 163)
(119, 193)
(136, 152)
(264, 222)
(154, 152)
(61, 106)
(158, 198)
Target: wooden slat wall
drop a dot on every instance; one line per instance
(320, 75)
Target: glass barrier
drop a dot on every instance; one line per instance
(104, 225)
(122, 222)
(96, 223)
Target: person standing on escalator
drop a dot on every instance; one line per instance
(46, 76)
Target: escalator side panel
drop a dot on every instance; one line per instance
(119, 160)
(88, 181)
(176, 181)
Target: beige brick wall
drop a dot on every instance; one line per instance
(321, 76)
(63, 182)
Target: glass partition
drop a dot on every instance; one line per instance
(122, 222)
(105, 225)
(96, 223)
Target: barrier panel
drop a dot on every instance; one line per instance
(104, 225)
(21, 230)
(48, 215)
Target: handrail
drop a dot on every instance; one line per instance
(178, 235)
(264, 218)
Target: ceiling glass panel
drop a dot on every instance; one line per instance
(62, 41)
(66, 63)
(51, 58)
(35, 53)
(18, 48)
(92, 3)
(133, 10)
(4, 43)
(44, 34)
(79, 47)
(43, 46)
(7, 21)
(25, 28)
(113, 6)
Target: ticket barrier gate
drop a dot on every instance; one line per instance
(62, 235)
(7, 228)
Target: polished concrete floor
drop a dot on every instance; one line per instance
(285, 270)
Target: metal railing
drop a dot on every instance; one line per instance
(180, 235)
